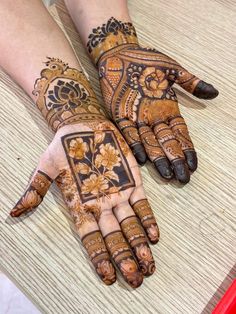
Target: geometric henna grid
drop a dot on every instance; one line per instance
(97, 163)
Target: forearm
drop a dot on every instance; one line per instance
(28, 36)
(91, 14)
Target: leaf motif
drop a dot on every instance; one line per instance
(82, 168)
(111, 175)
(91, 145)
(114, 189)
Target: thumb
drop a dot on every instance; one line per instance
(194, 85)
(36, 189)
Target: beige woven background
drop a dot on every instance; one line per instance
(42, 254)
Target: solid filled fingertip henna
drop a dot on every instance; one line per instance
(139, 153)
(181, 171)
(191, 159)
(163, 166)
(204, 90)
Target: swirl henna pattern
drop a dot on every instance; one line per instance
(136, 84)
(97, 174)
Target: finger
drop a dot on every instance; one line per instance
(119, 249)
(142, 209)
(135, 236)
(172, 150)
(130, 132)
(34, 194)
(155, 152)
(194, 85)
(180, 130)
(94, 244)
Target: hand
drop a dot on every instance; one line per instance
(137, 88)
(101, 185)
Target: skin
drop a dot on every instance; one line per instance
(160, 134)
(99, 218)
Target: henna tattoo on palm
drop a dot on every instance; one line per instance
(98, 177)
(136, 84)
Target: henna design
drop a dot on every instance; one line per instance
(34, 194)
(135, 236)
(97, 163)
(121, 254)
(136, 84)
(65, 96)
(143, 210)
(96, 248)
(109, 35)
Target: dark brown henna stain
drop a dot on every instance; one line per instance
(123, 258)
(108, 36)
(143, 210)
(34, 194)
(65, 96)
(134, 234)
(137, 82)
(96, 248)
(97, 163)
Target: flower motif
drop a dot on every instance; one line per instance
(66, 95)
(143, 253)
(94, 209)
(82, 168)
(106, 270)
(153, 82)
(108, 157)
(153, 233)
(129, 268)
(31, 199)
(78, 148)
(95, 184)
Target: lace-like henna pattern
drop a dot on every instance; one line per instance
(134, 234)
(65, 96)
(96, 248)
(97, 163)
(108, 36)
(136, 84)
(121, 254)
(34, 194)
(143, 210)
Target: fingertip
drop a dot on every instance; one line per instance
(181, 171)
(191, 159)
(153, 234)
(164, 168)
(204, 90)
(140, 154)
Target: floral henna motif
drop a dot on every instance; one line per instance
(34, 194)
(135, 236)
(97, 163)
(65, 96)
(122, 256)
(136, 84)
(143, 210)
(96, 248)
(109, 35)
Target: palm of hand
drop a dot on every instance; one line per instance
(101, 185)
(137, 87)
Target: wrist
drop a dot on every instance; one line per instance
(65, 96)
(110, 35)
